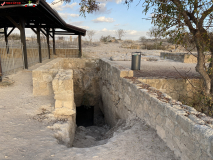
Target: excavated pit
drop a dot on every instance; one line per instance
(85, 116)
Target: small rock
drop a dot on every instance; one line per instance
(172, 101)
(196, 120)
(179, 103)
(90, 137)
(82, 128)
(176, 106)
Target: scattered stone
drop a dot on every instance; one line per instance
(196, 119)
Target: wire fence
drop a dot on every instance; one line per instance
(12, 59)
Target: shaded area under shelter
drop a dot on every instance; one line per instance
(40, 17)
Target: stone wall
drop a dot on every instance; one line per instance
(179, 57)
(179, 89)
(85, 79)
(43, 76)
(187, 132)
(64, 103)
(64, 96)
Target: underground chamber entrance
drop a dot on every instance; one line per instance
(91, 128)
(85, 116)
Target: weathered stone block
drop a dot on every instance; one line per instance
(161, 132)
(160, 120)
(69, 104)
(185, 123)
(170, 125)
(58, 104)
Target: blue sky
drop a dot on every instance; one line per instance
(113, 15)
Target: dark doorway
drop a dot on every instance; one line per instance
(85, 116)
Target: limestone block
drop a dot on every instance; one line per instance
(203, 135)
(63, 112)
(64, 96)
(47, 78)
(196, 119)
(185, 123)
(161, 132)
(58, 104)
(43, 85)
(69, 104)
(160, 120)
(170, 125)
(177, 131)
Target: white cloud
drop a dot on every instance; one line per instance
(74, 15)
(103, 19)
(58, 5)
(77, 23)
(104, 29)
(84, 27)
(132, 32)
(151, 15)
(103, 9)
(70, 6)
(66, 16)
(117, 24)
(118, 1)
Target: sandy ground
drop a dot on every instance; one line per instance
(24, 137)
(114, 49)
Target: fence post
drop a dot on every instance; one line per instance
(79, 46)
(0, 70)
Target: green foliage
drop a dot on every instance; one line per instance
(201, 102)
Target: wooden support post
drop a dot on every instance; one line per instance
(6, 39)
(23, 41)
(53, 30)
(0, 71)
(79, 45)
(39, 42)
(48, 44)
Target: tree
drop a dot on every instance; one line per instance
(120, 33)
(154, 32)
(90, 34)
(180, 17)
(142, 38)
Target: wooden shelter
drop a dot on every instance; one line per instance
(40, 17)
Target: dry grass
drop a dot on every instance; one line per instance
(6, 82)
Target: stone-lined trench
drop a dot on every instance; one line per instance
(100, 84)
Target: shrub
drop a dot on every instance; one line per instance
(153, 47)
(106, 38)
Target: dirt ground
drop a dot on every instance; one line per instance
(24, 137)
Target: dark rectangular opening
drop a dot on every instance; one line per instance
(85, 116)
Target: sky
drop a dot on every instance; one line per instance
(112, 15)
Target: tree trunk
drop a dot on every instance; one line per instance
(200, 67)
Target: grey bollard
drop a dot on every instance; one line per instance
(136, 61)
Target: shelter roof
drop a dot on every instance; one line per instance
(34, 12)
